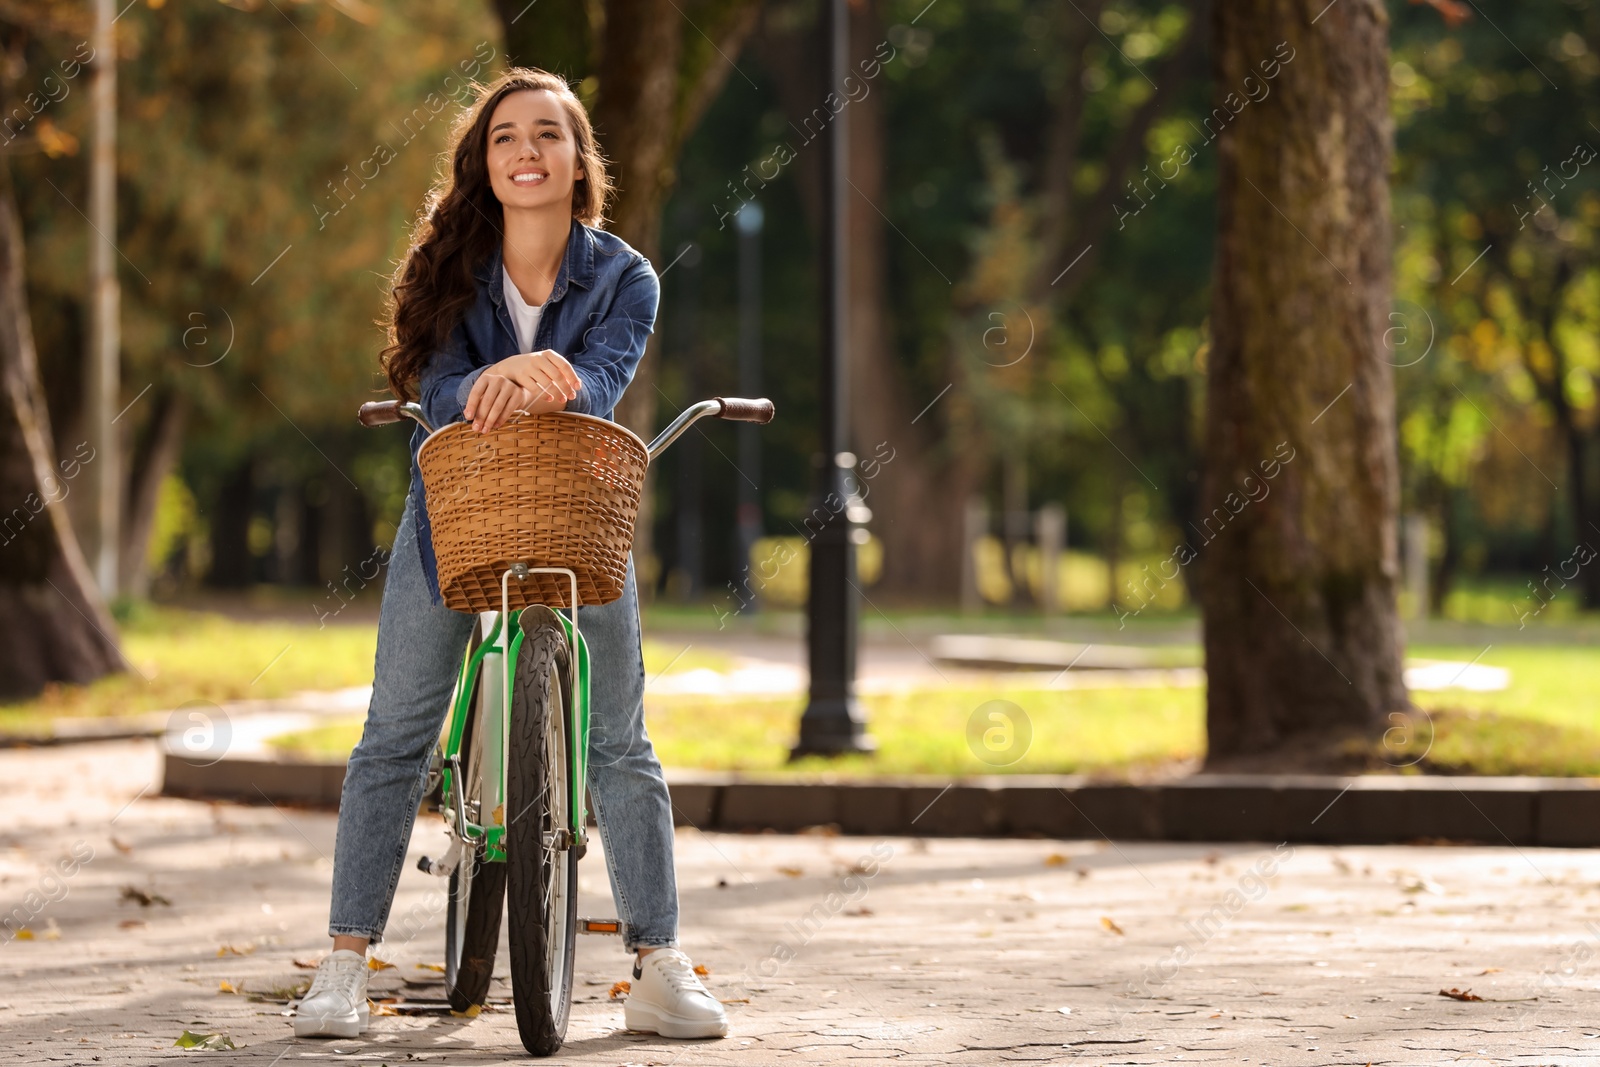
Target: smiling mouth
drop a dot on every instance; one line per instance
(530, 178)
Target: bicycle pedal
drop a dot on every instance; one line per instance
(600, 926)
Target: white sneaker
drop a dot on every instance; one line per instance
(336, 1003)
(667, 998)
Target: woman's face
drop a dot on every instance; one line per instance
(532, 158)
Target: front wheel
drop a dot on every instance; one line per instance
(541, 865)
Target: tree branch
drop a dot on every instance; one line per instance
(1097, 215)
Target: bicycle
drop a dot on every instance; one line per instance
(517, 734)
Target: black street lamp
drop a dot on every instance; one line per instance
(833, 722)
(748, 221)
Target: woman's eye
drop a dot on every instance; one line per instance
(548, 133)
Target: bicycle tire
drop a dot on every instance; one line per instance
(541, 877)
(469, 959)
(476, 901)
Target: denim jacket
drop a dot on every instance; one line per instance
(599, 315)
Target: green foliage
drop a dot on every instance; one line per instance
(1495, 223)
(244, 126)
(270, 162)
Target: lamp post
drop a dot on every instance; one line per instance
(833, 722)
(104, 371)
(749, 223)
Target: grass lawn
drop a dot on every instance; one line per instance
(1548, 722)
(943, 732)
(1106, 731)
(1545, 723)
(181, 656)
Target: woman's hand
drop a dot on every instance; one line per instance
(534, 382)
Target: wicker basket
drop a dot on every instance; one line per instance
(556, 490)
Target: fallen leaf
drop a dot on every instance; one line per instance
(702, 970)
(23, 934)
(235, 950)
(307, 965)
(381, 1007)
(1109, 923)
(1056, 859)
(52, 932)
(204, 1042)
(375, 964)
(130, 924)
(858, 912)
(620, 988)
(121, 845)
(226, 986)
(431, 967)
(143, 899)
(1488, 970)
(470, 1013)
(1459, 994)
(1416, 883)
(737, 1000)
(792, 872)
(282, 994)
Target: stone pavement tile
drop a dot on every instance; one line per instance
(832, 949)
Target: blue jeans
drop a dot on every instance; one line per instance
(420, 645)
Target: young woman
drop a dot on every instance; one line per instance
(509, 300)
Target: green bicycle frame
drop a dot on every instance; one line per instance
(492, 831)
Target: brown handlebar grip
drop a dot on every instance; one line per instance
(379, 413)
(736, 410)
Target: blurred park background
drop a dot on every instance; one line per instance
(1034, 262)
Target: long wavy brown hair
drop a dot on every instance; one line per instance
(461, 221)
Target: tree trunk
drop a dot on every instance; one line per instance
(633, 115)
(559, 38)
(1577, 441)
(232, 566)
(1302, 633)
(153, 461)
(1442, 580)
(53, 623)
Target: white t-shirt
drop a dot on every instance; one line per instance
(524, 316)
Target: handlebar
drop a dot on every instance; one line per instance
(731, 408)
(384, 412)
(737, 410)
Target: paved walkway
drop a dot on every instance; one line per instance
(833, 949)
